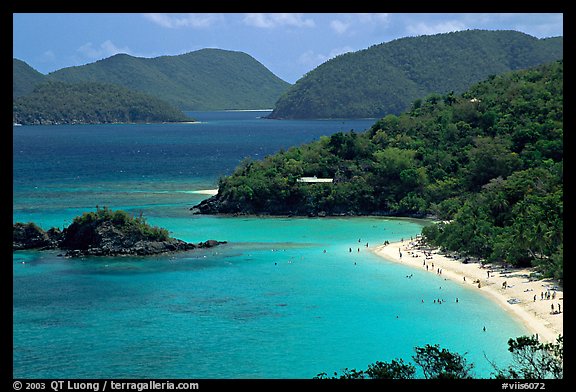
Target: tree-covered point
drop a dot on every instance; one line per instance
(489, 160)
(90, 103)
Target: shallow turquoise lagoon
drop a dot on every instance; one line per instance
(285, 298)
(270, 304)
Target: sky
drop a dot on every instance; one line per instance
(288, 44)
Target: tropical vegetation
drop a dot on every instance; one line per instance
(531, 360)
(90, 103)
(121, 220)
(488, 163)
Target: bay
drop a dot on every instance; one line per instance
(285, 298)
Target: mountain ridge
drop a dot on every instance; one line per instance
(206, 79)
(25, 78)
(386, 78)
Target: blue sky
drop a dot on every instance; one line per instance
(288, 44)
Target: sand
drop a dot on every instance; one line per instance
(516, 298)
(210, 192)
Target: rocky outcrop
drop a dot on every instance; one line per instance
(30, 236)
(210, 206)
(99, 238)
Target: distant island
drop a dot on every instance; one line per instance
(206, 79)
(386, 78)
(54, 103)
(103, 233)
(128, 89)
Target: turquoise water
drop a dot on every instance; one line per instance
(283, 299)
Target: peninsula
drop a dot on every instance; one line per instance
(55, 103)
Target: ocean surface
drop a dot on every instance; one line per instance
(285, 298)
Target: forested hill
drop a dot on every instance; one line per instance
(387, 78)
(490, 160)
(25, 78)
(207, 79)
(90, 103)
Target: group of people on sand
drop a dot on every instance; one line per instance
(556, 311)
(544, 296)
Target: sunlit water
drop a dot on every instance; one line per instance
(285, 298)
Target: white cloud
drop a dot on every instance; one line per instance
(268, 21)
(349, 23)
(311, 59)
(373, 18)
(105, 49)
(423, 28)
(175, 21)
(339, 26)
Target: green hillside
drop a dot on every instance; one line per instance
(490, 160)
(90, 103)
(387, 78)
(207, 79)
(25, 78)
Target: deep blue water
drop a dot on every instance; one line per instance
(76, 167)
(270, 304)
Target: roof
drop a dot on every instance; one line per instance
(314, 179)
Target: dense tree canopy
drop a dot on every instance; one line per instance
(531, 359)
(89, 103)
(489, 160)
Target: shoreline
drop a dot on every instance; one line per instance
(516, 297)
(209, 192)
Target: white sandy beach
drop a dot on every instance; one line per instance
(516, 297)
(210, 192)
